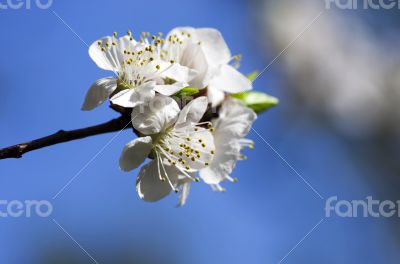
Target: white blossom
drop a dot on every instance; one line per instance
(140, 71)
(205, 51)
(232, 125)
(177, 142)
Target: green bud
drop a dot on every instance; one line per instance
(257, 101)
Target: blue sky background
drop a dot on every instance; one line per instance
(45, 72)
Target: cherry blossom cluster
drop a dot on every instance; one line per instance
(190, 107)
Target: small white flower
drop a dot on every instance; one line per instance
(205, 51)
(139, 68)
(177, 142)
(230, 128)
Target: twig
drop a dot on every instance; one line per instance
(61, 136)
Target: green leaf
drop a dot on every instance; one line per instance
(252, 76)
(188, 91)
(257, 101)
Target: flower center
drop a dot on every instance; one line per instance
(189, 149)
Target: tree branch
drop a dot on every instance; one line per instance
(61, 136)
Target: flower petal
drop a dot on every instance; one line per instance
(231, 127)
(170, 89)
(134, 153)
(194, 58)
(193, 111)
(99, 92)
(215, 96)
(148, 184)
(110, 59)
(222, 165)
(152, 118)
(214, 46)
(130, 98)
(234, 120)
(179, 73)
(228, 79)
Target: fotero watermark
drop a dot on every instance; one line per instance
(27, 208)
(25, 4)
(362, 4)
(361, 208)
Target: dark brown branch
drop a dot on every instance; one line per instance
(64, 136)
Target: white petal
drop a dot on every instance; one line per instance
(148, 184)
(228, 79)
(193, 111)
(233, 124)
(99, 92)
(215, 96)
(194, 58)
(170, 89)
(130, 98)
(110, 59)
(214, 46)
(134, 153)
(160, 113)
(234, 120)
(179, 73)
(125, 43)
(222, 165)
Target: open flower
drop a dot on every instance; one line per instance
(205, 51)
(177, 142)
(232, 125)
(139, 69)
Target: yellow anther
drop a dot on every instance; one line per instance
(172, 61)
(176, 191)
(212, 129)
(203, 145)
(99, 43)
(200, 140)
(103, 49)
(235, 180)
(180, 153)
(115, 34)
(114, 43)
(212, 152)
(188, 139)
(206, 163)
(158, 67)
(187, 167)
(198, 156)
(193, 159)
(163, 179)
(197, 179)
(196, 129)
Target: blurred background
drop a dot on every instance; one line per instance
(336, 73)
